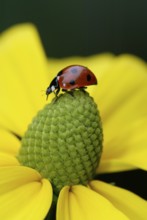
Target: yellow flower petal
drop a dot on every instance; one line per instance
(127, 202)
(9, 144)
(132, 153)
(23, 194)
(24, 70)
(8, 160)
(122, 103)
(79, 202)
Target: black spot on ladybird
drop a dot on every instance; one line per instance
(72, 82)
(88, 77)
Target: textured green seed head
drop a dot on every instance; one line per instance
(64, 140)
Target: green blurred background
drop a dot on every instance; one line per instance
(82, 27)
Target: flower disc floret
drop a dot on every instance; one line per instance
(64, 140)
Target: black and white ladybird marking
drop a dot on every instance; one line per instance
(71, 77)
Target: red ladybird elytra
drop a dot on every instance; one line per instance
(70, 78)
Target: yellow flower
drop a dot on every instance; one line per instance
(121, 96)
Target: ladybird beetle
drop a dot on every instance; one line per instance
(71, 77)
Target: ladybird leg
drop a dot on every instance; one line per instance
(64, 90)
(83, 89)
(56, 94)
(57, 91)
(71, 92)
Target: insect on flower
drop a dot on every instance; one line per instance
(70, 78)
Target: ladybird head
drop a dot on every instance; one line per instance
(49, 90)
(53, 87)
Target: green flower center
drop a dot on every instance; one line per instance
(64, 140)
